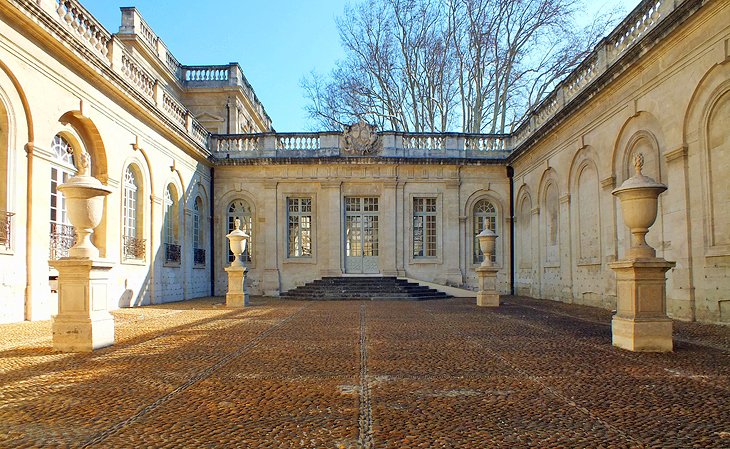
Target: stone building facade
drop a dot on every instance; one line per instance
(186, 149)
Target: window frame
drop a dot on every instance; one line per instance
(299, 213)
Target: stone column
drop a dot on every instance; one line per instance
(487, 296)
(83, 322)
(236, 296)
(641, 322)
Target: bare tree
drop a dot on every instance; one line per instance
(440, 65)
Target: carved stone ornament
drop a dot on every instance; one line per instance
(361, 139)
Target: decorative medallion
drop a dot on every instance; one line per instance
(361, 139)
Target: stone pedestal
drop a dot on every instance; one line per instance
(236, 296)
(641, 322)
(487, 295)
(83, 322)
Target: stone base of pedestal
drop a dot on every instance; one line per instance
(83, 322)
(653, 335)
(488, 299)
(236, 296)
(487, 295)
(82, 334)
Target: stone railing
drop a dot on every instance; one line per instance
(212, 76)
(174, 109)
(83, 26)
(6, 227)
(636, 25)
(334, 144)
(112, 51)
(206, 73)
(138, 76)
(63, 238)
(297, 141)
(133, 248)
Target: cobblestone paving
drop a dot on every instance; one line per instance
(433, 374)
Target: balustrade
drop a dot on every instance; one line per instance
(206, 73)
(6, 229)
(85, 26)
(298, 142)
(174, 109)
(634, 27)
(424, 142)
(133, 248)
(63, 238)
(485, 143)
(138, 76)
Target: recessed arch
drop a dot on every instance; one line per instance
(91, 140)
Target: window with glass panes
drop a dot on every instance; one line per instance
(424, 227)
(170, 204)
(485, 217)
(62, 233)
(129, 212)
(242, 210)
(299, 227)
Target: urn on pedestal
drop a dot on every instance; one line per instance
(487, 295)
(641, 322)
(236, 296)
(83, 322)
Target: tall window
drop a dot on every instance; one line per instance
(172, 246)
(133, 245)
(62, 233)
(424, 227)
(240, 209)
(198, 240)
(485, 217)
(299, 227)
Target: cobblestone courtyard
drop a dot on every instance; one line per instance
(441, 374)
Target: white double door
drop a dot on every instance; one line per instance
(361, 235)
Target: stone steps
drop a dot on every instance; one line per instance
(363, 288)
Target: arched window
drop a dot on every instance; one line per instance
(198, 236)
(172, 216)
(133, 245)
(62, 233)
(242, 210)
(485, 217)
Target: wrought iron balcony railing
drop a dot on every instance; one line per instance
(199, 256)
(63, 237)
(172, 253)
(6, 228)
(134, 248)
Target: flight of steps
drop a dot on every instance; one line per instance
(363, 288)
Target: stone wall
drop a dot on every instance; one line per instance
(265, 189)
(672, 105)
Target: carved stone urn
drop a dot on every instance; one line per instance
(85, 204)
(639, 196)
(237, 240)
(487, 239)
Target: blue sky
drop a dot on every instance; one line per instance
(277, 42)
